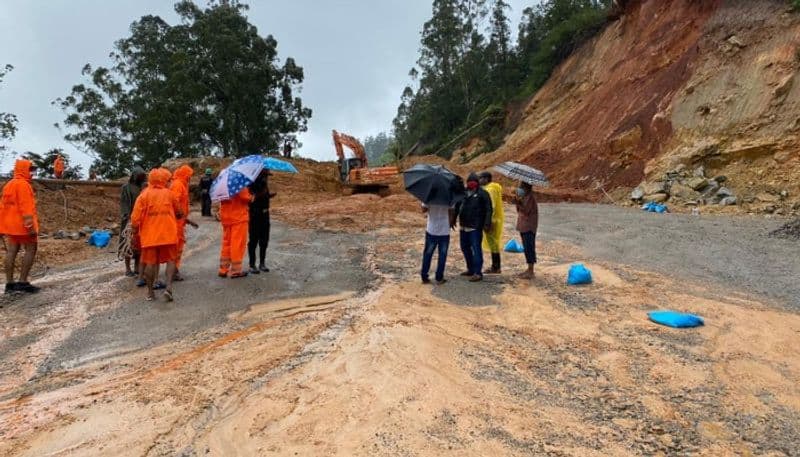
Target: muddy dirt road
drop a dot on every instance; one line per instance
(340, 351)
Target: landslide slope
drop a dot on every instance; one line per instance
(672, 82)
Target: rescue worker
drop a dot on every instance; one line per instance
(19, 223)
(492, 237)
(128, 195)
(205, 193)
(234, 215)
(180, 188)
(259, 225)
(155, 221)
(58, 167)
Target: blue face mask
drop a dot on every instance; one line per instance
(520, 192)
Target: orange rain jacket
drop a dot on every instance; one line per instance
(236, 209)
(18, 203)
(156, 212)
(58, 167)
(180, 186)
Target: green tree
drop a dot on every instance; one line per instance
(44, 164)
(376, 146)
(8, 121)
(207, 85)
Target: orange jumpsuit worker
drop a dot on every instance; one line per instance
(20, 225)
(155, 219)
(234, 215)
(180, 187)
(58, 167)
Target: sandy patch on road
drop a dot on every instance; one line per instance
(533, 368)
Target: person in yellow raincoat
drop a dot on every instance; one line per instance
(492, 238)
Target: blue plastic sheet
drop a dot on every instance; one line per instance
(653, 207)
(579, 274)
(675, 319)
(513, 246)
(99, 238)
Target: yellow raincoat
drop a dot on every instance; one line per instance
(492, 238)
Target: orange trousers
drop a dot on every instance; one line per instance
(234, 245)
(181, 242)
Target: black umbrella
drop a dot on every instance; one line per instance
(434, 184)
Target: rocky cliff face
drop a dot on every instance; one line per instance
(668, 87)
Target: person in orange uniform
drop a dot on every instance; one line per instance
(20, 225)
(58, 167)
(155, 220)
(234, 214)
(180, 187)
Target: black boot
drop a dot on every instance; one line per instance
(495, 263)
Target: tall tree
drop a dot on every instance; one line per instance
(209, 84)
(8, 121)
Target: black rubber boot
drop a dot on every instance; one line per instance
(495, 263)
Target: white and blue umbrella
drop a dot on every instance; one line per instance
(240, 174)
(273, 164)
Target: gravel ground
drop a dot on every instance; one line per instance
(734, 252)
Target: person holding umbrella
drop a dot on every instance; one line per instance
(474, 216)
(439, 190)
(527, 224)
(492, 237)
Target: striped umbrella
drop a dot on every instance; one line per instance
(523, 173)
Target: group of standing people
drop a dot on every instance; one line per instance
(154, 209)
(480, 218)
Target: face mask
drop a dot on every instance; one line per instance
(472, 185)
(520, 191)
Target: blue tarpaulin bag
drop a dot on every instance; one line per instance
(653, 207)
(513, 246)
(675, 319)
(579, 274)
(99, 238)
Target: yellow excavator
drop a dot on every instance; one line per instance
(354, 171)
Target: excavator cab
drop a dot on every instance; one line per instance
(348, 165)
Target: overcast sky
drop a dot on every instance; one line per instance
(356, 55)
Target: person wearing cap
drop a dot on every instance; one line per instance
(19, 224)
(259, 223)
(474, 216)
(205, 193)
(127, 198)
(492, 238)
(155, 220)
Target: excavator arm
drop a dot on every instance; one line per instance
(340, 140)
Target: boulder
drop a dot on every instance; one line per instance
(728, 201)
(75, 235)
(637, 194)
(696, 183)
(700, 172)
(735, 41)
(657, 197)
(658, 187)
(721, 179)
(684, 192)
(724, 192)
(60, 235)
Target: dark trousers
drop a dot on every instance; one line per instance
(473, 252)
(432, 244)
(206, 205)
(529, 244)
(259, 236)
